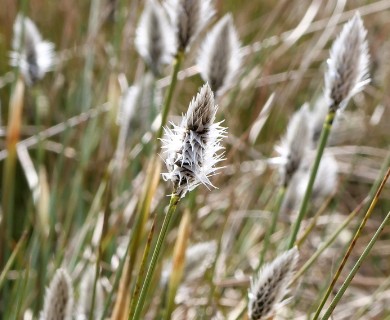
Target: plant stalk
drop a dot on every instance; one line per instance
(168, 97)
(356, 267)
(156, 252)
(351, 246)
(309, 189)
(142, 269)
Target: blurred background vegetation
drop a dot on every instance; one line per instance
(286, 44)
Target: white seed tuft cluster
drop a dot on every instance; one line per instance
(271, 285)
(347, 71)
(58, 303)
(193, 147)
(154, 37)
(219, 59)
(33, 56)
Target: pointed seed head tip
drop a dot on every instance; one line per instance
(271, 285)
(348, 64)
(193, 147)
(219, 58)
(58, 303)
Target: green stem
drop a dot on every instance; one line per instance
(11, 259)
(106, 215)
(351, 246)
(355, 268)
(271, 230)
(153, 262)
(142, 269)
(309, 189)
(168, 97)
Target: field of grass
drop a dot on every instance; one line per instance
(81, 162)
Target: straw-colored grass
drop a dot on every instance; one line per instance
(82, 190)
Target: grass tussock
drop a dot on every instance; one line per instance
(181, 159)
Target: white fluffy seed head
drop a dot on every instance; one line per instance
(193, 147)
(219, 59)
(347, 71)
(154, 38)
(270, 286)
(30, 53)
(295, 144)
(189, 17)
(58, 303)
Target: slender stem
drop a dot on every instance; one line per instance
(271, 230)
(106, 215)
(309, 189)
(12, 258)
(351, 246)
(313, 223)
(355, 268)
(142, 269)
(153, 262)
(168, 97)
(328, 242)
(148, 191)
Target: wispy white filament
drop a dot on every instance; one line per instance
(219, 59)
(31, 54)
(192, 148)
(270, 286)
(347, 71)
(58, 303)
(154, 37)
(189, 17)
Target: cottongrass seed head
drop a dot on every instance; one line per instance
(31, 54)
(192, 148)
(189, 17)
(271, 285)
(154, 38)
(58, 303)
(347, 71)
(219, 59)
(295, 144)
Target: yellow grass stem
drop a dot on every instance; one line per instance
(178, 263)
(13, 135)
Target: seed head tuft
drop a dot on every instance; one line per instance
(31, 54)
(219, 59)
(58, 303)
(192, 147)
(189, 18)
(154, 38)
(271, 285)
(347, 71)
